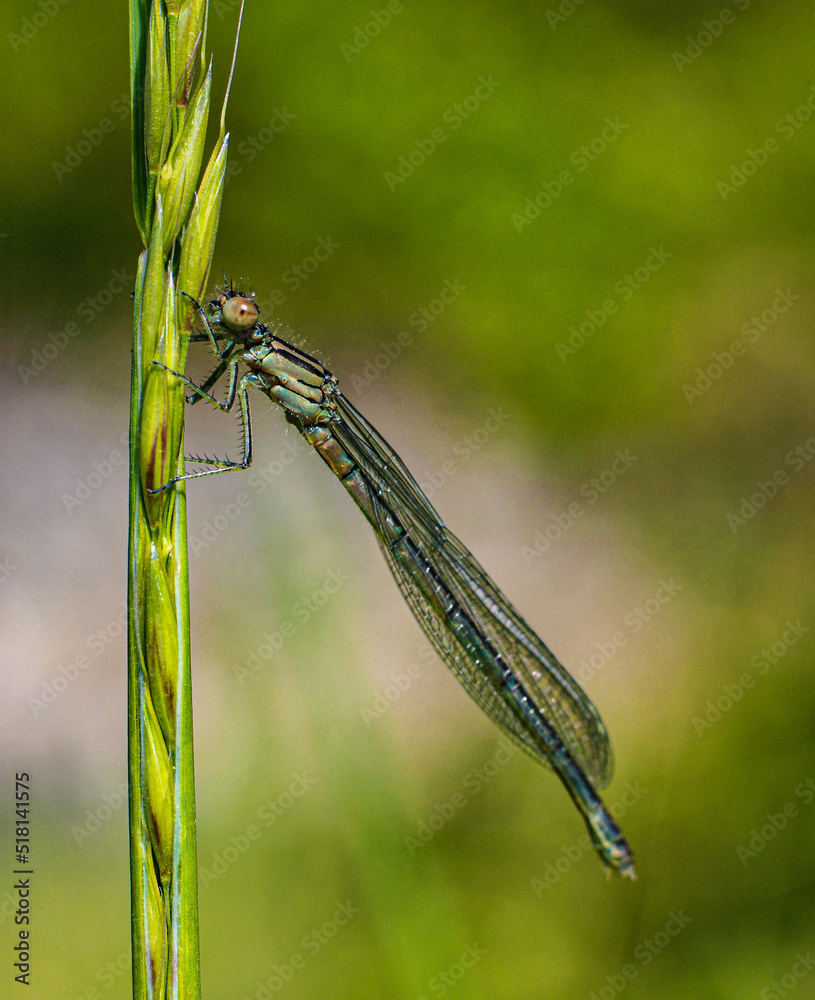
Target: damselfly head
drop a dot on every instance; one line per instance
(235, 310)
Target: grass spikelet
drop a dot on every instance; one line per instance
(178, 220)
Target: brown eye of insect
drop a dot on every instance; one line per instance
(239, 313)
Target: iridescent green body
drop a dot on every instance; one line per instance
(498, 658)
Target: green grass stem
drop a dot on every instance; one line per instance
(177, 218)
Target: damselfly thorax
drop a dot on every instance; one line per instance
(296, 381)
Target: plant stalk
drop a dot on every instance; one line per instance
(177, 218)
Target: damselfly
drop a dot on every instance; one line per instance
(496, 656)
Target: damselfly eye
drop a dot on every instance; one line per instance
(239, 313)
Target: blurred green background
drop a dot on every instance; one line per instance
(624, 209)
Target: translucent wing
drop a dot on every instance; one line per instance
(434, 553)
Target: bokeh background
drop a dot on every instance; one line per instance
(637, 172)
